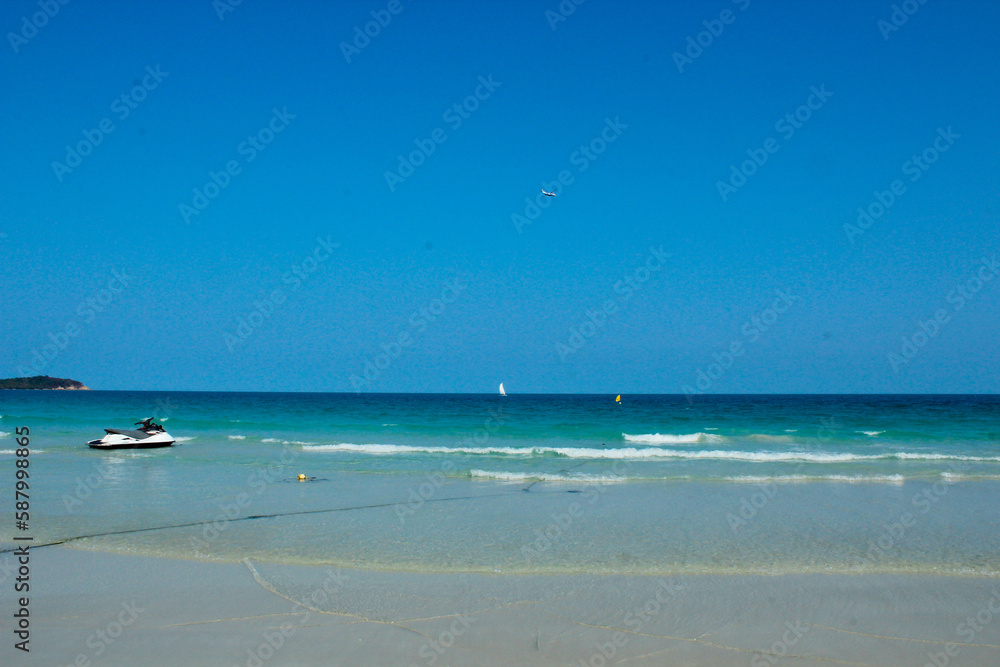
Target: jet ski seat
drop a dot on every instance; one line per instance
(138, 435)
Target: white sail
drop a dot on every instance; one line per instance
(502, 392)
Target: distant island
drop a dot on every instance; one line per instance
(41, 382)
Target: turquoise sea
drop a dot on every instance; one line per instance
(523, 483)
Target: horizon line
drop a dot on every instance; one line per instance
(509, 395)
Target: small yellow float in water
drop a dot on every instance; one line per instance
(302, 478)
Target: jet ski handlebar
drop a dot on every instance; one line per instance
(148, 425)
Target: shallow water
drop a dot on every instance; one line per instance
(525, 483)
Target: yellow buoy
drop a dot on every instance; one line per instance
(302, 477)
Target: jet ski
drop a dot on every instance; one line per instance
(148, 435)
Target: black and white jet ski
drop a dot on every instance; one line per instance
(148, 435)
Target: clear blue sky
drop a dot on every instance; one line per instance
(173, 321)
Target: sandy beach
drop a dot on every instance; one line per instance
(413, 548)
(108, 609)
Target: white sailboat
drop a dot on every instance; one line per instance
(502, 392)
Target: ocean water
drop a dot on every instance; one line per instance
(523, 483)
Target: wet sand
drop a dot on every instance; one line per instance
(94, 608)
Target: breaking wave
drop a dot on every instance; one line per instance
(851, 479)
(963, 477)
(672, 439)
(643, 453)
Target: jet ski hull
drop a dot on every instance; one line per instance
(116, 441)
(97, 444)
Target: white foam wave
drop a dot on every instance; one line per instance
(410, 449)
(641, 453)
(871, 433)
(296, 442)
(390, 424)
(270, 440)
(4, 434)
(851, 479)
(672, 439)
(735, 455)
(237, 437)
(791, 430)
(518, 477)
(188, 438)
(958, 477)
(906, 456)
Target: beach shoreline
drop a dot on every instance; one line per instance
(101, 608)
(422, 523)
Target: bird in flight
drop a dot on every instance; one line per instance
(548, 194)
